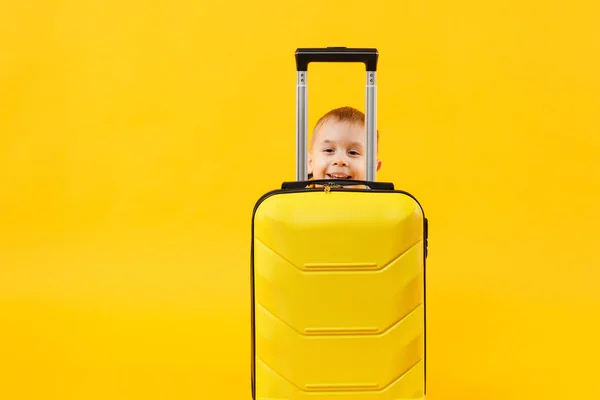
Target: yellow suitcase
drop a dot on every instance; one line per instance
(338, 278)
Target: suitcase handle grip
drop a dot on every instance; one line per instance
(367, 56)
(340, 182)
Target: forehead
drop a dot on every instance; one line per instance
(339, 131)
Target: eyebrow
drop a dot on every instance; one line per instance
(359, 144)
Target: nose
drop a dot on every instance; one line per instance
(340, 163)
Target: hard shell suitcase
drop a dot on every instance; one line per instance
(338, 276)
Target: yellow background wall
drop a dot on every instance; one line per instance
(136, 136)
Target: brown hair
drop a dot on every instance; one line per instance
(343, 114)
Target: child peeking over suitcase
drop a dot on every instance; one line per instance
(338, 146)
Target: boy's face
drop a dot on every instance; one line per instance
(338, 151)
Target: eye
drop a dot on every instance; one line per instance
(328, 150)
(354, 153)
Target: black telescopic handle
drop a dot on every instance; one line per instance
(367, 56)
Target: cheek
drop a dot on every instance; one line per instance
(320, 163)
(358, 166)
(357, 162)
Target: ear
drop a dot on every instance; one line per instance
(309, 166)
(378, 164)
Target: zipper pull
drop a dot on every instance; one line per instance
(330, 185)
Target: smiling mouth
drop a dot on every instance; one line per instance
(338, 175)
